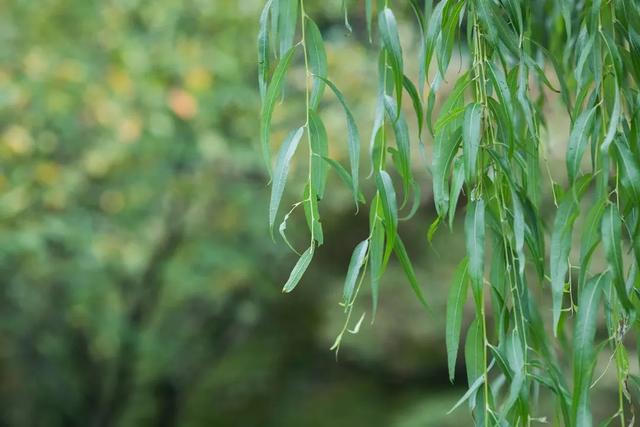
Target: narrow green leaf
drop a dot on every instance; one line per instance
(474, 352)
(455, 309)
(285, 154)
(578, 140)
(456, 187)
(299, 269)
(401, 132)
(376, 253)
(446, 144)
(355, 265)
(405, 262)
(390, 209)
(629, 169)
(263, 49)
(345, 178)
(560, 246)
(391, 41)
(320, 150)
(612, 241)
(471, 134)
(475, 234)
(590, 236)
(317, 59)
(583, 348)
(416, 101)
(613, 120)
(353, 136)
(287, 20)
(269, 103)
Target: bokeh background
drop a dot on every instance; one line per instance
(139, 284)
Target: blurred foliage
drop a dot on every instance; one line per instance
(139, 284)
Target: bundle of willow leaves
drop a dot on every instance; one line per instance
(487, 145)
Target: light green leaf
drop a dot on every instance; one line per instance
(320, 150)
(269, 103)
(376, 254)
(391, 41)
(355, 265)
(285, 154)
(287, 20)
(455, 309)
(317, 59)
(474, 234)
(263, 49)
(471, 134)
(389, 208)
(299, 269)
(353, 136)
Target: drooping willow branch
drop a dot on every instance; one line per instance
(488, 148)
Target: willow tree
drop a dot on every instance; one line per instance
(487, 145)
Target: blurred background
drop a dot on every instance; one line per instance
(139, 284)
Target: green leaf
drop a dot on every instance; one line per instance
(612, 240)
(317, 59)
(263, 49)
(355, 265)
(456, 187)
(269, 103)
(471, 134)
(405, 262)
(287, 20)
(474, 352)
(561, 244)
(299, 269)
(613, 120)
(583, 348)
(628, 168)
(445, 146)
(391, 41)
(578, 140)
(416, 101)
(389, 208)
(285, 154)
(345, 178)
(455, 309)
(376, 253)
(590, 236)
(474, 234)
(320, 150)
(312, 214)
(401, 133)
(353, 136)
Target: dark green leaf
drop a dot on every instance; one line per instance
(455, 309)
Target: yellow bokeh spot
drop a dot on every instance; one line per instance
(112, 201)
(119, 81)
(198, 79)
(47, 173)
(18, 140)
